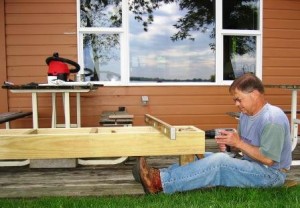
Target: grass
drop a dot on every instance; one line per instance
(213, 198)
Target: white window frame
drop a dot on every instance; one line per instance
(124, 45)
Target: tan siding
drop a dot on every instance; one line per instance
(279, 13)
(283, 43)
(17, 40)
(35, 29)
(283, 24)
(42, 7)
(281, 5)
(283, 53)
(281, 57)
(3, 72)
(40, 29)
(28, 19)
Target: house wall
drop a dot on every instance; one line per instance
(35, 29)
(281, 42)
(3, 93)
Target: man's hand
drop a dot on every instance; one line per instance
(225, 137)
(232, 139)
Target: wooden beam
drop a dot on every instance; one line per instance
(100, 142)
(162, 126)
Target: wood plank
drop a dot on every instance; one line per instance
(172, 110)
(166, 100)
(276, 61)
(19, 182)
(108, 142)
(284, 34)
(41, 29)
(41, 7)
(282, 23)
(41, 18)
(282, 52)
(94, 130)
(40, 49)
(203, 122)
(162, 126)
(21, 39)
(18, 61)
(281, 80)
(281, 4)
(83, 181)
(281, 43)
(272, 70)
(281, 14)
(164, 90)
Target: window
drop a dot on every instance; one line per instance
(155, 42)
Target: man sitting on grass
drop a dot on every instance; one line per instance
(263, 137)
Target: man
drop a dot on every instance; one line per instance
(263, 138)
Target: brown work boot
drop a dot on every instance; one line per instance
(149, 177)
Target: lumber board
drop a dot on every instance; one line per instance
(98, 142)
(162, 126)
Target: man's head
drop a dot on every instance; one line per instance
(248, 93)
(247, 83)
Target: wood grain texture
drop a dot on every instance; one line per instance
(103, 142)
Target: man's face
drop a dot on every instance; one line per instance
(245, 101)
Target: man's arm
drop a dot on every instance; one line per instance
(233, 139)
(254, 153)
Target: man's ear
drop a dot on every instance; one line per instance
(256, 93)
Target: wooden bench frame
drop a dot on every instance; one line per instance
(7, 118)
(97, 142)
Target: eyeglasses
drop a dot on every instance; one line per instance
(239, 100)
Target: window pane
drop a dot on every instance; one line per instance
(239, 56)
(168, 44)
(95, 13)
(101, 57)
(243, 14)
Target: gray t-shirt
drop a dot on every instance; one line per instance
(269, 130)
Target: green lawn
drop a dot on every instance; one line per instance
(213, 197)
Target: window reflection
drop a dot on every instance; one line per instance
(169, 41)
(242, 15)
(239, 56)
(95, 13)
(160, 52)
(101, 57)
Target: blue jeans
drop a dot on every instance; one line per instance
(219, 169)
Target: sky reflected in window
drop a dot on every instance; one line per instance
(155, 56)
